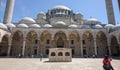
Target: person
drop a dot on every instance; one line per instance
(41, 56)
(107, 64)
(19, 55)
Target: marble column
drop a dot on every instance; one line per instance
(108, 43)
(9, 47)
(23, 48)
(109, 49)
(8, 11)
(95, 46)
(81, 43)
(38, 46)
(68, 44)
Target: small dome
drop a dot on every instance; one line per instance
(47, 25)
(27, 20)
(35, 25)
(92, 19)
(109, 26)
(116, 26)
(22, 25)
(60, 23)
(73, 26)
(61, 7)
(84, 26)
(97, 26)
(2, 26)
(10, 25)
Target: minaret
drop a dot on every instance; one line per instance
(8, 11)
(119, 4)
(110, 12)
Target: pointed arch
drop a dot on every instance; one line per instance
(114, 46)
(60, 38)
(31, 43)
(101, 40)
(88, 43)
(17, 43)
(4, 45)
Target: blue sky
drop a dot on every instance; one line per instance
(89, 8)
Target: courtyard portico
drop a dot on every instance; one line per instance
(59, 27)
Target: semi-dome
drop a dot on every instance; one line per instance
(22, 25)
(109, 26)
(61, 7)
(60, 23)
(47, 25)
(2, 26)
(73, 26)
(27, 20)
(35, 25)
(10, 25)
(97, 26)
(84, 26)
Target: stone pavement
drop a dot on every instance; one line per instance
(36, 64)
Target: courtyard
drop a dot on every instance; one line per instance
(36, 64)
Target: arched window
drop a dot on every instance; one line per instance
(60, 54)
(53, 54)
(67, 54)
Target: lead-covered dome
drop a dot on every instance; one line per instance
(73, 26)
(47, 25)
(35, 26)
(61, 7)
(109, 26)
(10, 25)
(27, 20)
(60, 23)
(22, 25)
(97, 26)
(2, 26)
(116, 27)
(92, 21)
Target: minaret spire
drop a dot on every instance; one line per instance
(110, 12)
(8, 11)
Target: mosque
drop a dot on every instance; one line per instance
(60, 27)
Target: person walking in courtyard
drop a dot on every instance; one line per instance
(107, 64)
(41, 56)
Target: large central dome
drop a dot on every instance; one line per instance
(61, 7)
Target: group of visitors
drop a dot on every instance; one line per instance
(106, 61)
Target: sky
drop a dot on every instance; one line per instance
(88, 8)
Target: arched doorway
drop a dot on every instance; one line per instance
(4, 46)
(17, 43)
(60, 39)
(60, 43)
(114, 46)
(101, 41)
